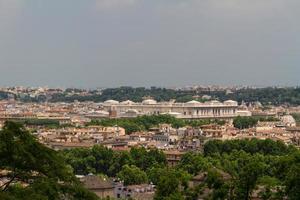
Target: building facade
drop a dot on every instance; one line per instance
(189, 110)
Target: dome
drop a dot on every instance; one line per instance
(111, 102)
(230, 102)
(215, 102)
(288, 120)
(193, 102)
(127, 102)
(149, 102)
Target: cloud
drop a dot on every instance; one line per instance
(9, 11)
(110, 4)
(149, 42)
(10, 8)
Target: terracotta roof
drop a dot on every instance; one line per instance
(95, 182)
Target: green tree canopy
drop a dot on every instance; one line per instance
(132, 175)
(32, 168)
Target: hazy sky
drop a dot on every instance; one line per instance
(91, 43)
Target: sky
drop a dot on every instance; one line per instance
(111, 43)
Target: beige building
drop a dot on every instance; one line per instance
(190, 110)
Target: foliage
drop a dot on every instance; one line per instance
(39, 122)
(101, 160)
(168, 186)
(252, 146)
(193, 163)
(25, 161)
(235, 169)
(249, 122)
(293, 181)
(244, 122)
(132, 175)
(296, 117)
(268, 119)
(146, 122)
(267, 96)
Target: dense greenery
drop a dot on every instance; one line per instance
(146, 122)
(235, 169)
(297, 118)
(132, 175)
(100, 160)
(129, 93)
(275, 96)
(249, 122)
(40, 122)
(267, 167)
(47, 123)
(34, 171)
(4, 95)
(244, 122)
(253, 146)
(269, 95)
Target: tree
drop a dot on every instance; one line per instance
(103, 158)
(145, 159)
(193, 163)
(155, 173)
(132, 175)
(266, 147)
(251, 168)
(293, 182)
(244, 122)
(168, 186)
(25, 161)
(271, 188)
(119, 160)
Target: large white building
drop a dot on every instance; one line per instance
(189, 110)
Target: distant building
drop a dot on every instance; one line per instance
(190, 110)
(137, 192)
(173, 157)
(244, 113)
(212, 131)
(288, 120)
(101, 187)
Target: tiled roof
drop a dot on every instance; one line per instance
(95, 182)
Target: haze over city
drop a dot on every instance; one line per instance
(110, 43)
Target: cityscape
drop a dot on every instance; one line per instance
(172, 130)
(149, 100)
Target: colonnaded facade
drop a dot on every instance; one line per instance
(189, 110)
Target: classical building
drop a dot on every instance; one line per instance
(190, 110)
